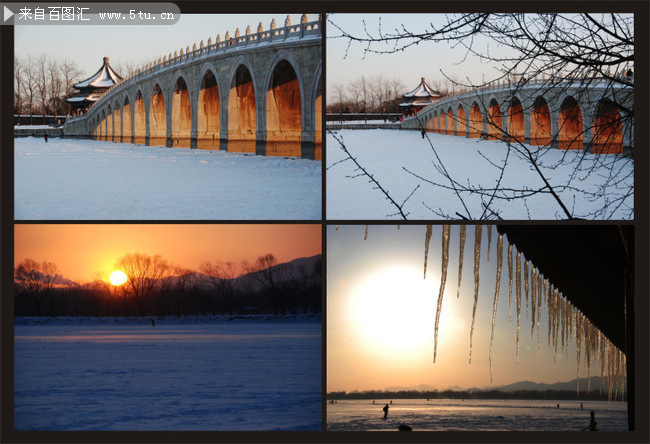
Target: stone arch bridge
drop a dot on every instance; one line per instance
(255, 92)
(590, 114)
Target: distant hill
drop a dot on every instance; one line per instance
(539, 386)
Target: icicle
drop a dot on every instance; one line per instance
(533, 299)
(443, 280)
(588, 345)
(398, 226)
(509, 281)
(427, 238)
(336, 228)
(578, 347)
(365, 236)
(489, 235)
(539, 304)
(610, 370)
(460, 257)
(549, 309)
(526, 283)
(477, 260)
(496, 295)
(518, 292)
(602, 357)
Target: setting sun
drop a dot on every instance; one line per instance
(118, 277)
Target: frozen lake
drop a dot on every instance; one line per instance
(590, 186)
(239, 375)
(93, 180)
(475, 415)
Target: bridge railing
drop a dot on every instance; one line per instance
(538, 80)
(249, 39)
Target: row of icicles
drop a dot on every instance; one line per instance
(565, 322)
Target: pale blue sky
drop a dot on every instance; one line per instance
(87, 45)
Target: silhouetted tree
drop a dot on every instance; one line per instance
(144, 273)
(35, 280)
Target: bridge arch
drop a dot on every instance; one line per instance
(208, 109)
(284, 106)
(317, 108)
(126, 120)
(494, 121)
(180, 115)
(540, 122)
(242, 107)
(607, 130)
(103, 126)
(442, 125)
(475, 121)
(109, 123)
(570, 124)
(139, 118)
(450, 124)
(157, 117)
(435, 121)
(461, 121)
(516, 121)
(117, 121)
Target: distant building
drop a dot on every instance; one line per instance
(417, 99)
(92, 89)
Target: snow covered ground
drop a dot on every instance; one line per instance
(384, 153)
(127, 375)
(86, 179)
(475, 415)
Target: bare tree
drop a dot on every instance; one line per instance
(19, 79)
(144, 274)
(35, 280)
(272, 277)
(544, 52)
(42, 84)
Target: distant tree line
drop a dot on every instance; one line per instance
(155, 287)
(593, 395)
(376, 94)
(42, 84)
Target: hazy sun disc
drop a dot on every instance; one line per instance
(118, 277)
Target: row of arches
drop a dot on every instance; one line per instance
(215, 118)
(536, 126)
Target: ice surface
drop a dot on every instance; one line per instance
(383, 152)
(475, 415)
(237, 375)
(86, 179)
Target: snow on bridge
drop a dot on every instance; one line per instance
(255, 92)
(592, 114)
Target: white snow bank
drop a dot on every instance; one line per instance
(385, 153)
(86, 179)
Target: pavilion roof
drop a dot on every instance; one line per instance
(422, 90)
(104, 78)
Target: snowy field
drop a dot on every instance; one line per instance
(475, 415)
(86, 179)
(125, 375)
(384, 153)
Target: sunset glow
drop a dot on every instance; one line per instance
(118, 277)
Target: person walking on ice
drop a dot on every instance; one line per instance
(385, 411)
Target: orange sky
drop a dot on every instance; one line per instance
(82, 250)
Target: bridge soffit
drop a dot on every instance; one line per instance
(285, 55)
(203, 70)
(181, 74)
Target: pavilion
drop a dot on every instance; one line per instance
(92, 89)
(417, 99)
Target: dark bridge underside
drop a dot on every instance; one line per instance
(589, 265)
